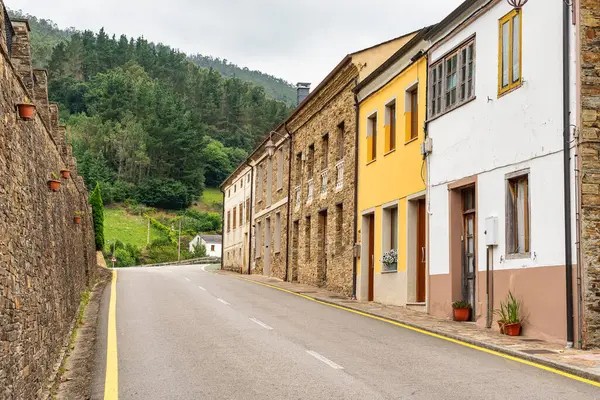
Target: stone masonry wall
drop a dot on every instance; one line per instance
(590, 168)
(46, 260)
(324, 259)
(263, 210)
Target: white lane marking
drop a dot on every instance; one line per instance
(187, 279)
(201, 288)
(203, 268)
(223, 301)
(261, 324)
(325, 360)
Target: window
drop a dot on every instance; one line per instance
(411, 116)
(247, 210)
(509, 75)
(280, 169)
(307, 239)
(339, 228)
(340, 141)
(325, 149)
(298, 169)
(259, 183)
(269, 181)
(372, 137)
(390, 234)
(277, 244)
(452, 80)
(311, 160)
(248, 178)
(234, 219)
(258, 247)
(517, 214)
(229, 193)
(241, 207)
(234, 188)
(228, 221)
(212, 247)
(390, 126)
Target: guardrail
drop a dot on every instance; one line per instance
(194, 261)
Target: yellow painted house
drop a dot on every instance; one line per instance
(392, 178)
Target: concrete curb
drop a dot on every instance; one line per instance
(504, 350)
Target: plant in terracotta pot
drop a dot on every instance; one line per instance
(390, 261)
(54, 183)
(77, 217)
(510, 315)
(65, 173)
(26, 110)
(462, 310)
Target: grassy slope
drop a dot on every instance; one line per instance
(127, 228)
(212, 201)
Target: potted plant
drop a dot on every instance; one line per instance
(26, 110)
(390, 261)
(462, 310)
(77, 217)
(54, 183)
(65, 173)
(510, 316)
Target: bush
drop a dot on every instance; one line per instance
(197, 221)
(163, 193)
(124, 259)
(117, 192)
(160, 251)
(199, 251)
(98, 217)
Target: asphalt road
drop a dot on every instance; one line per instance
(183, 333)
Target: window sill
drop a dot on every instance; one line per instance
(279, 189)
(389, 152)
(389, 272)
(510, 89)
(517, 256)
(451, 109)
(411, 140)
(277, 251)
(372, 161)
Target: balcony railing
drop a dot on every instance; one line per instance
(309, 198)
(297, 204)
(324, 180)
(339, 184)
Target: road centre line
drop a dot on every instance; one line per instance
(187, 279)
(261, 324)
(223, 301)
(324, 359)
(201, 288)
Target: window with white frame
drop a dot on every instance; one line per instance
(277, 244)
(258, 236)
(390, 234)
(452, 79)
(280, 169)
(259, 183)
(517, 214)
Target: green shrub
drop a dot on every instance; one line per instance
(199, 251)
(163, 193)
(124, 259)
(98, 217)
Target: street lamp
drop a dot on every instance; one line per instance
(270, 146)
(517, 4)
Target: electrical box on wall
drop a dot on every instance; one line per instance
(491, 231)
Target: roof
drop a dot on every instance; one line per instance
(465, 5)
(386, 42)
(212, 239)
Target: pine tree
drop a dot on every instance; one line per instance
(98, 217)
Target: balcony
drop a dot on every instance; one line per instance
(309, 198)
(324, 180)
(339, 184)
(297, 194)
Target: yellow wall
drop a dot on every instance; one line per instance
(397, 174)
(370, 59)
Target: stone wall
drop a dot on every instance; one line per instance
(323, 251)
(590, 168)
(46, 260)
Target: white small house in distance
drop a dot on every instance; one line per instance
(211, 242)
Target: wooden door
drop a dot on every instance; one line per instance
(421, 252)
(371, 255)
(295, 236)
(267, 257)
(469, 241)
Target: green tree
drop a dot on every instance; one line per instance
(98, 217)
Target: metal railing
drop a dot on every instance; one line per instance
(339, 166)
(309, 198)
(324, 180)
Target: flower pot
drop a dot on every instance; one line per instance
(77, 219)
(26, 110)
(512, 329)
(501, 326)
(54, 185)
(65, 173)
(462, 314)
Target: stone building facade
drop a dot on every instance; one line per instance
(589, 164)
(237, 190)
(270, 205)
(46, 260)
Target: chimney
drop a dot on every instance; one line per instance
(40, 94)
(20, 51)
(302, 90)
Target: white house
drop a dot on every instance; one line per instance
(212, 243)
(495, 124)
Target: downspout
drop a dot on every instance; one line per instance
(427, 189)
(251, 216)
(222, 228)
(567, 171)
(356, 134)
(289, 207)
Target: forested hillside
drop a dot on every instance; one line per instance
(150, 125)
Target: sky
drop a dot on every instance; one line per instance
(299, 41)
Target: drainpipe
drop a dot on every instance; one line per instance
(251, 216)
(223, 229)
(356, 114)
(427, 195)
(567, 170)
(289, 207)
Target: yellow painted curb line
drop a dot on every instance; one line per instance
(424, 332)
(111, 383)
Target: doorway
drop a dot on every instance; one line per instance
(267, 261)
(468, 238)
(421, 251)
(323, 247)
(371, 255)
(295, 234)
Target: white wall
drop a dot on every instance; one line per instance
(490, 137)
(216, 252)
(233, 241)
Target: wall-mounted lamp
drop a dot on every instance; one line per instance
(270, 146)
(517, 3)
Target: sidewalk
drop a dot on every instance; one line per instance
(585, 364)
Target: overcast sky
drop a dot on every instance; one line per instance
(295, 40)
